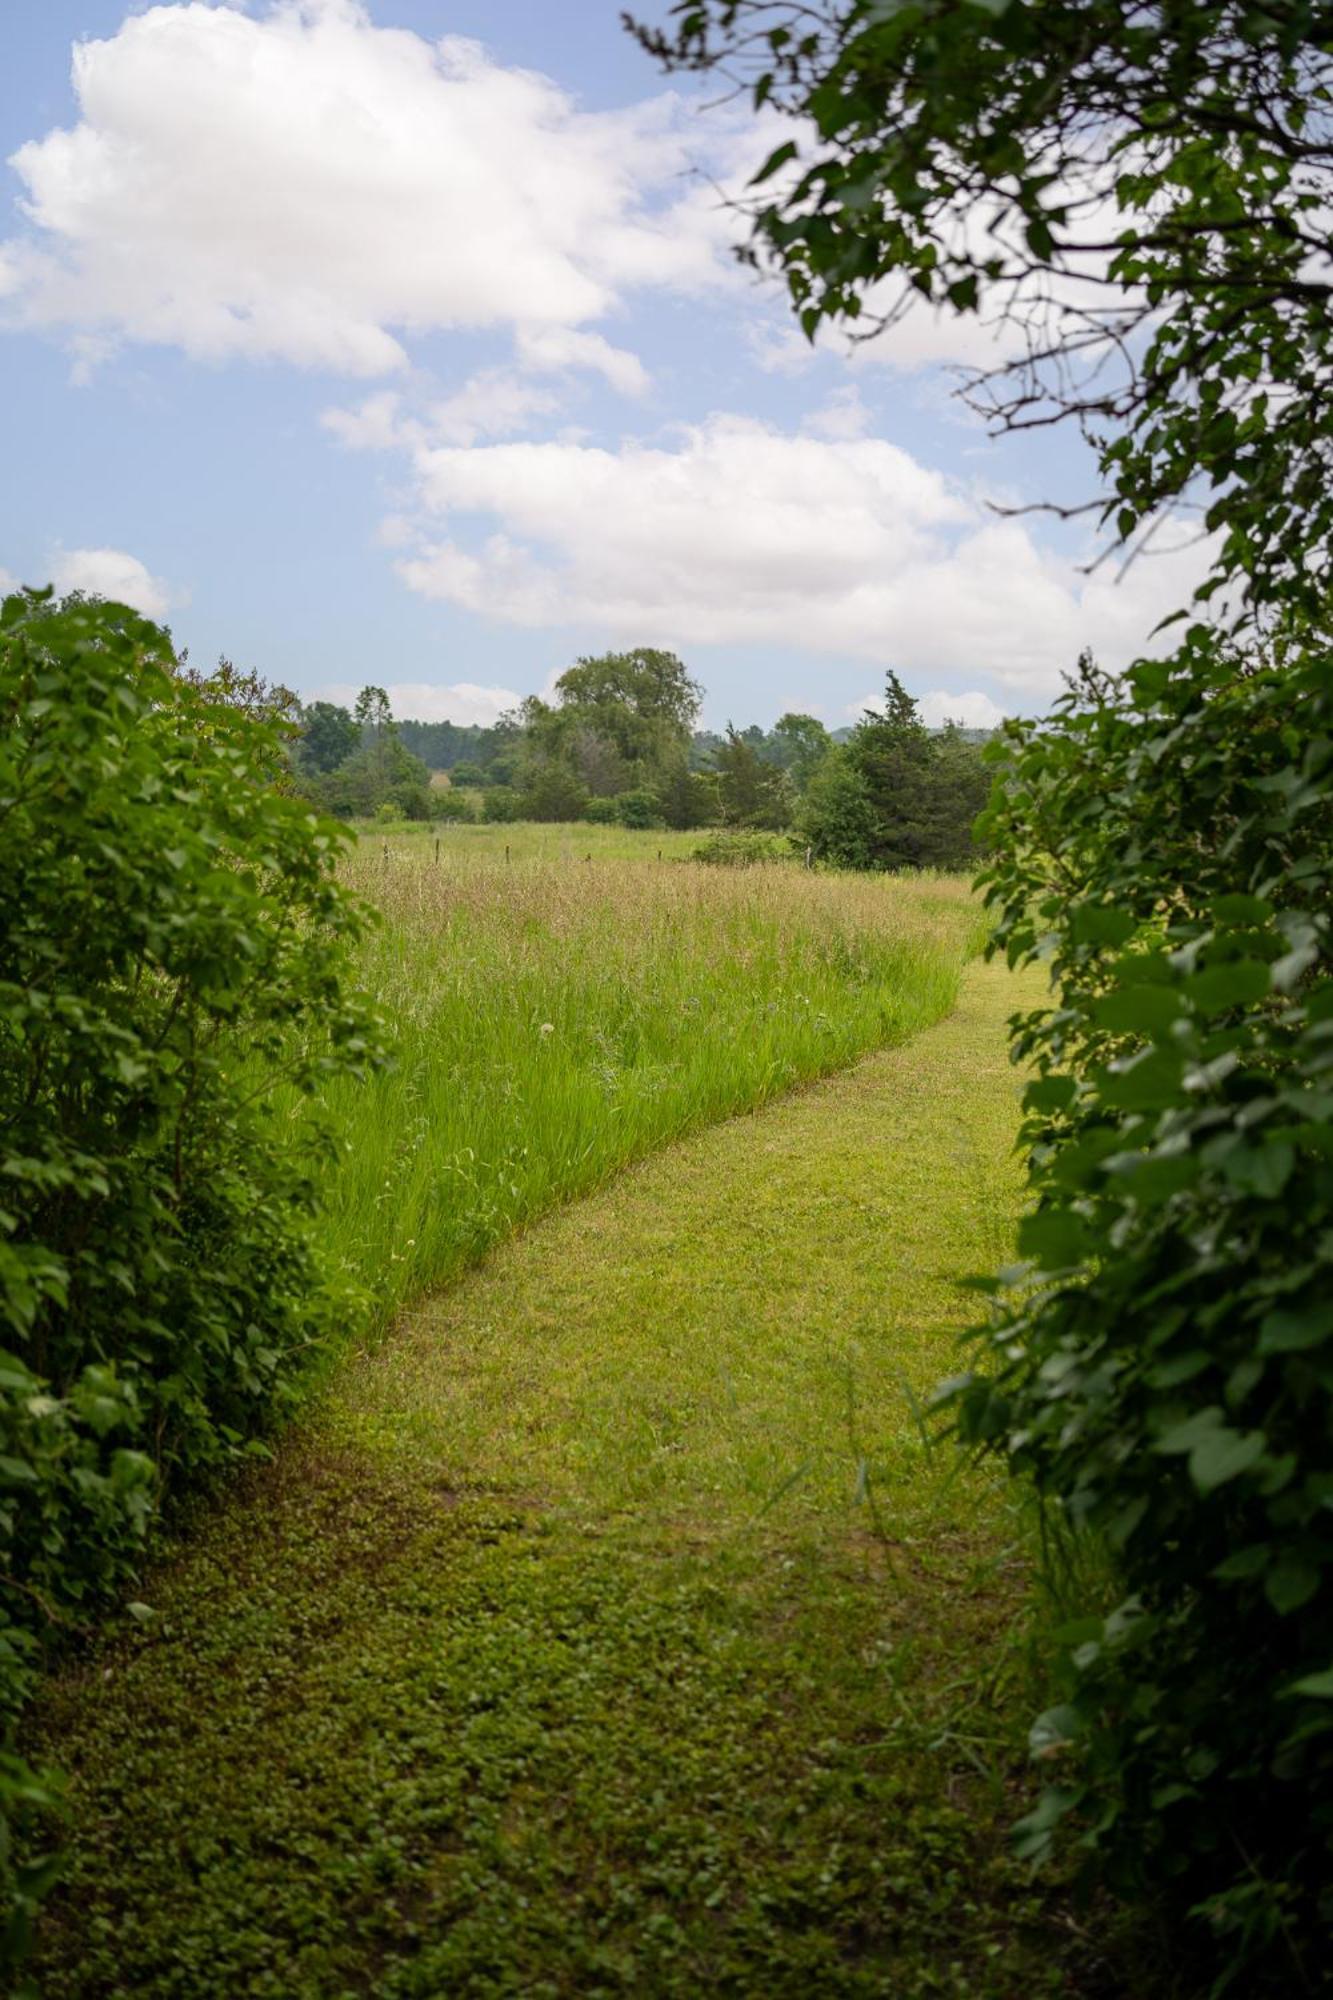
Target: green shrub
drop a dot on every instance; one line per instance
(449, 804)
(638, 809)
(171, 949)
(500, 805)
(1163, 1366)
(726, 849)
(601, 812)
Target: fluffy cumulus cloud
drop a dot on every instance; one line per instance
(111, 573)
(384, 186)
(973, 711)
(740, 533)
(434, 701)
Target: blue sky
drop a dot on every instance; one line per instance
(400, 342)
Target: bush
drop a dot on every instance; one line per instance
(552, 792)
(638, 809)
(740, 850)
(450, 805)
(1164, 1367)
(500, 805)
(172, 948)
(601, 812)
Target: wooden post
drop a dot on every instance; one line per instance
(437, 848)
(809, 857)
(386, 850)
(506, 850)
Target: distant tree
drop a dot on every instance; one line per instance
(551, 791)
(640, 698)
(895, 796)
(800, 744)
(597, 761)
(329, 735)
(372, 709)
(500, 804)
(470, 774)
(752, 793)
(687, 798)
(639, 809)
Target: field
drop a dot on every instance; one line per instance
(560, 1012)
(609, 1626)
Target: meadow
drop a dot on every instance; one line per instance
(562, 1000)
(608, 1626)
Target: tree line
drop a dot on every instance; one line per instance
(619, 744)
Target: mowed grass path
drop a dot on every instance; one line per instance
(613, 1631)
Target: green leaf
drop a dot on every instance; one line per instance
(1291, 1583)
(1224, 1456)
(1292, 1329)
(1096, 923)
(1050, 1093)
(777, 159)
(1263, 1170)
(1053, 1238)
(1138, 1010)
(1319, 1687)
(1054, 1731)
(1222, 987)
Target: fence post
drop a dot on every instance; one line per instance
(437, 847)
(809, 857)
(506, 850)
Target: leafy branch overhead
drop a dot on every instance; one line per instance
(1136, 194)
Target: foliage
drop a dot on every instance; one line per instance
(501, 805)
(799, 743)
(639, 808)
(686, 798)
(1141, 188)
(445, 803)
(171, 946)
(751, 792)
(1163, 1365)
(551, 791)
(619, 724)
(896, 795)
(377, 771)
(329, 734)
(733, 848)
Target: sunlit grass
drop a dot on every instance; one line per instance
(566, 1009)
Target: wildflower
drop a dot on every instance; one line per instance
(547, 1028)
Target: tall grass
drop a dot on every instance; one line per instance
(556, 1016)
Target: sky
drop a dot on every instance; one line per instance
(402, 342)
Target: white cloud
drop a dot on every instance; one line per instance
(973, 711)
(554, 349)
(114, 574)
(433, 701)
(295, 182)
(843, 416)
(741, 533)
